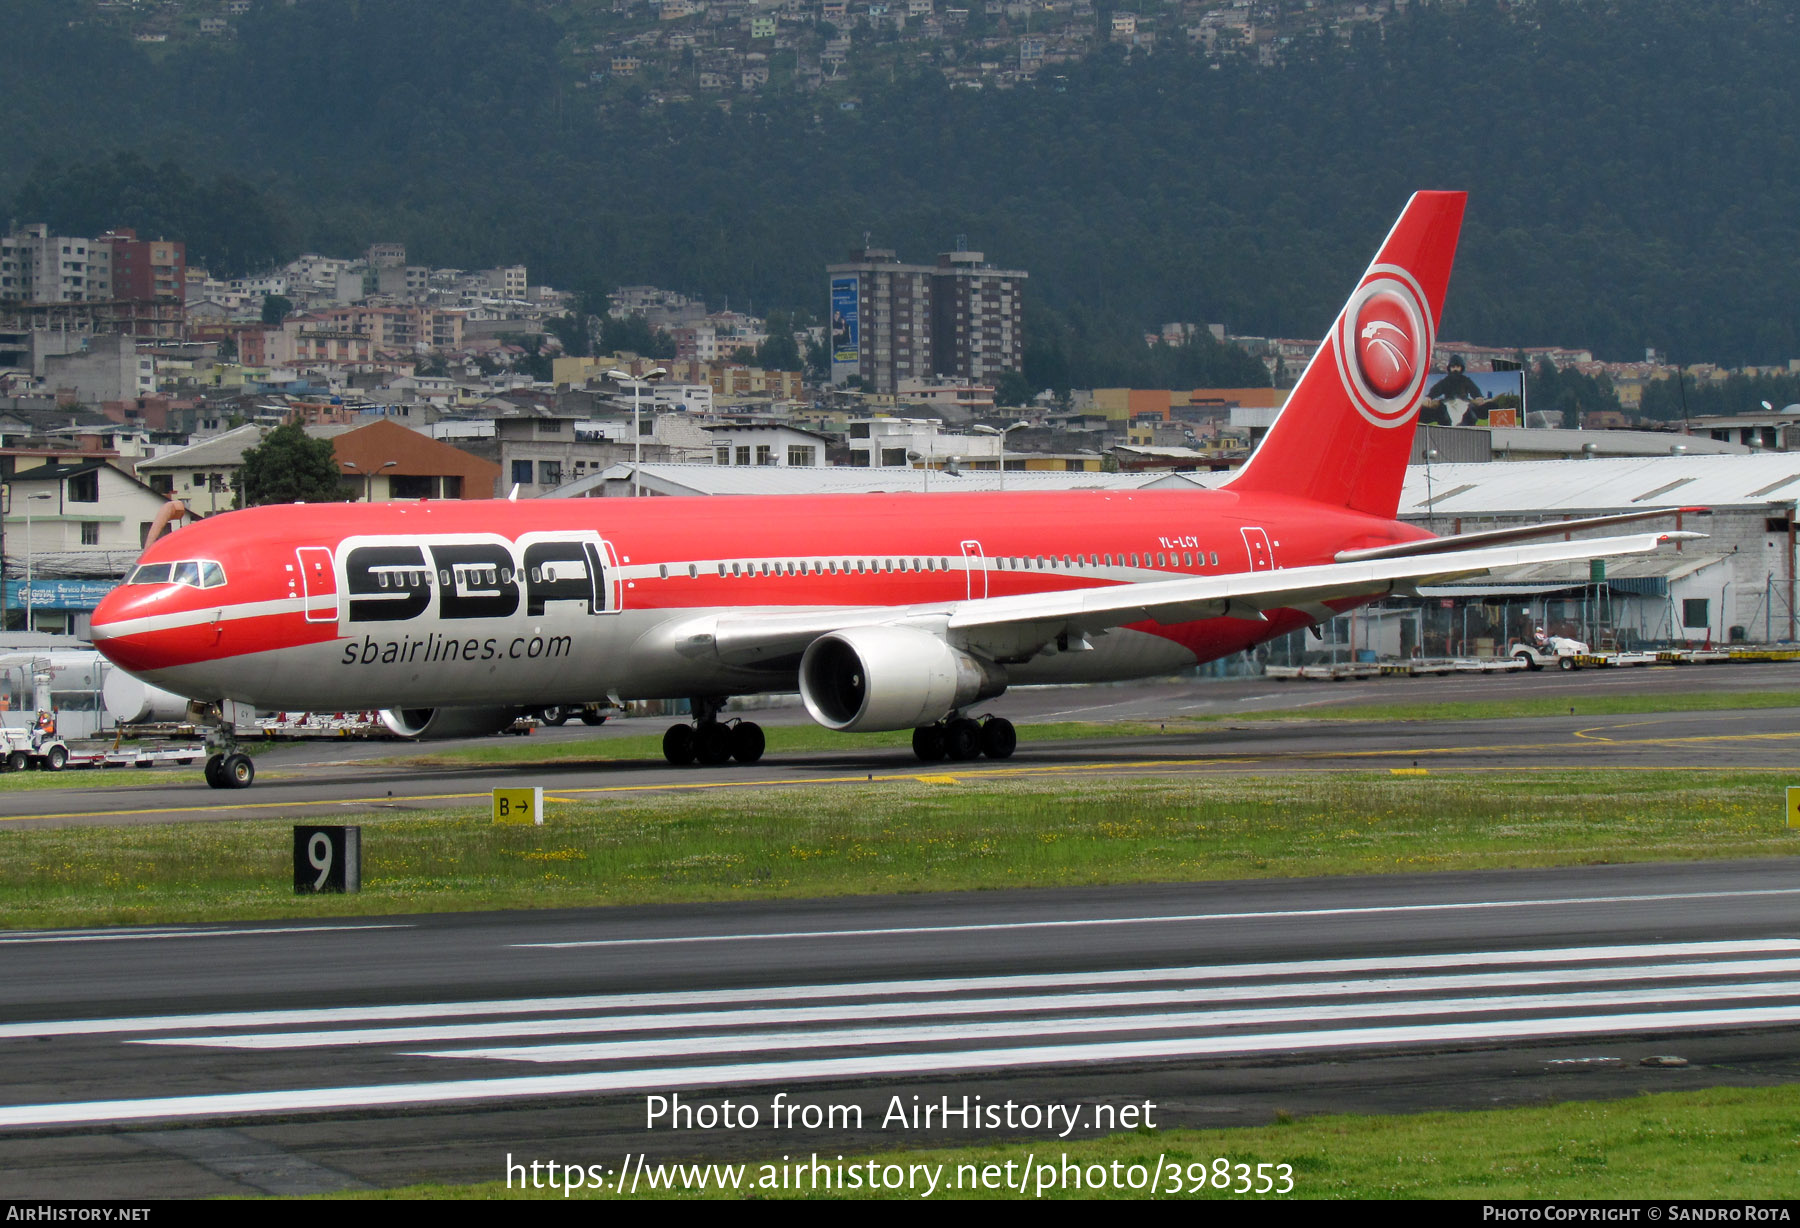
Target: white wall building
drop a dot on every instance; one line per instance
(879, 442)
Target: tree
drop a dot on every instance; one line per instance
(778, 352)
(276, 308)
(290, 466)
(1012, 388)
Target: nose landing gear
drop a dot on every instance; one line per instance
(227, 767)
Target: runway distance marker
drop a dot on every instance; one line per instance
(327, 860)
(1793, 800)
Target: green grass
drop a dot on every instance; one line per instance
(1722, 1143)
(904, 836)
(1621, 704)
(802, 739)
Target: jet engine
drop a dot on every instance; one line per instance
(864, 679)
(430, 724)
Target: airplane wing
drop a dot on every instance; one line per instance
(1496, 537)
(1015, 628)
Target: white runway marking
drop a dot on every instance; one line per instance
(1174, 919)
(595, 1082)
(753, 1042)
(861, 989)
(885, 1029)
(941, 1007)
(52, 936)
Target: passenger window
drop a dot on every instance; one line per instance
(664, 569)
(1215, 558)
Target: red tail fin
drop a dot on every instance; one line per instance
(1347, 429)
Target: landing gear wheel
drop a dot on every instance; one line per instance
(962, 739)
(747, 742)
(215, 772)
(237, 771)
(593, 718)
(998, 738)
(555, 716)
(928, 743)
(55, 758)
(678, 745)
(712, 744)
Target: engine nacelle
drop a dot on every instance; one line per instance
(429, 724)
(866, 679)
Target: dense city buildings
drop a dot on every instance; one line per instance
(960, 319)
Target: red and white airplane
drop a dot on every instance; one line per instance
(885, 612)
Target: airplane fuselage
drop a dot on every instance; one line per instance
(569, 601)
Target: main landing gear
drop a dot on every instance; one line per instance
(961, 738)
(712, 742)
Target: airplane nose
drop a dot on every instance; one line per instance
(120, 630)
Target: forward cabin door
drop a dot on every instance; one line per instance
(318, 584)
(975, 563)
(1256, 543)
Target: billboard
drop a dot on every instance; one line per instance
(1486, 398)
(43, 594)
(846, 329)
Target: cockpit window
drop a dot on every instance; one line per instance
(196, 573)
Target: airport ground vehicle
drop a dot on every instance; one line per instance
(1555, 652)
(26, 748)
(885, 612)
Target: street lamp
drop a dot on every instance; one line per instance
(1002, 432)
(911, 456)
(30, 591)
(369, 478)
(637, 437)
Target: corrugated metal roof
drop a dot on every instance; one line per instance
(1599, 485)
(843, 479)
(229, 448)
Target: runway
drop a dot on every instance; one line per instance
(343, 778)
(282, 1058)
(289, 1058)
